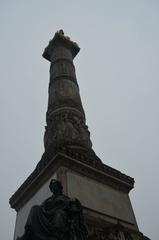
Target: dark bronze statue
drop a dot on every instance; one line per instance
(57, 218)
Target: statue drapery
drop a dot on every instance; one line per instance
(57, 218)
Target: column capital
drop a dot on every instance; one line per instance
(60, 40)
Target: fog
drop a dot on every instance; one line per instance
(117, 71)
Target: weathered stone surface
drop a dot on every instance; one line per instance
(65, 116)
(100, 198)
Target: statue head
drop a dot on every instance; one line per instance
(55, 187)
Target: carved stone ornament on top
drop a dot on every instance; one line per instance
(57, 218)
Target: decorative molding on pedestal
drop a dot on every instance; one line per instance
(101, 173)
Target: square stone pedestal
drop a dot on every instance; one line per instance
(103, 192)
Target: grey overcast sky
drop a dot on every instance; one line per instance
(117, 71)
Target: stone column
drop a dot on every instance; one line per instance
(65, 115)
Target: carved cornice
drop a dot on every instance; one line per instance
(89, 157)
(78, 162)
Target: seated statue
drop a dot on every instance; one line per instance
(57, 218)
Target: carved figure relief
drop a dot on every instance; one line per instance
(67, 128)
(115, 232)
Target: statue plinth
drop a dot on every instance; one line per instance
(103, 192)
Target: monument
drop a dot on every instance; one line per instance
(101, 191)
